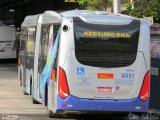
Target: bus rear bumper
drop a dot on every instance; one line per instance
(75, 104)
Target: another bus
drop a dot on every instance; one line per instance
(26, 56)
(7, 39)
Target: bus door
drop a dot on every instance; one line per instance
(49, 33)
(30, 52)
(43, 51)
(30, 45)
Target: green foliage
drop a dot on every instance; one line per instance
(144, 8)
(95, 4)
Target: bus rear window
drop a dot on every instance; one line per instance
(106, 46)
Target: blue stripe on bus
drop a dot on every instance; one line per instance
(46, 73)
(73, 103)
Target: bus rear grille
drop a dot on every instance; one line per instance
(106, 59)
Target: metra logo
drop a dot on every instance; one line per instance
(80, 71)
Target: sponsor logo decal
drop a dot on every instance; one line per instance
(105, 89)
(105, 75)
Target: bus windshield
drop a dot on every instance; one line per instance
(106, 45)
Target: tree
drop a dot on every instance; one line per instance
(144, 8)
(98, 4)
(137, 8)
(95, 4)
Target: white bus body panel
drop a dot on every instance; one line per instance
(145, 29)
(85, 86)
(36, 75)
(7, 33)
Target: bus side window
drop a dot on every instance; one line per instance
(55, 31)
(55, 62)
(54, 69)
(23, 40)
(44, 38)
(31, 38)
(43, 48)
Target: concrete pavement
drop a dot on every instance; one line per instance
(12, 99)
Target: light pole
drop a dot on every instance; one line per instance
(117, 4)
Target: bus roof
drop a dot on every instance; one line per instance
(97, 17)
(76, 13)
(30, 20)
(51, 17)
(106, 19)
(55, 17)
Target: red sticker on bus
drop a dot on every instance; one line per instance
(105, 75)
(105, 89)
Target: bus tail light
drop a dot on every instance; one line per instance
(63, 89)
(145, 90)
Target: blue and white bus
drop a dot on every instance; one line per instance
(98, 62)
(103, 64)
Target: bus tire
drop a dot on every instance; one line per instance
(25, 93)
(20, 77)
(50, 113)
(33, 100)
